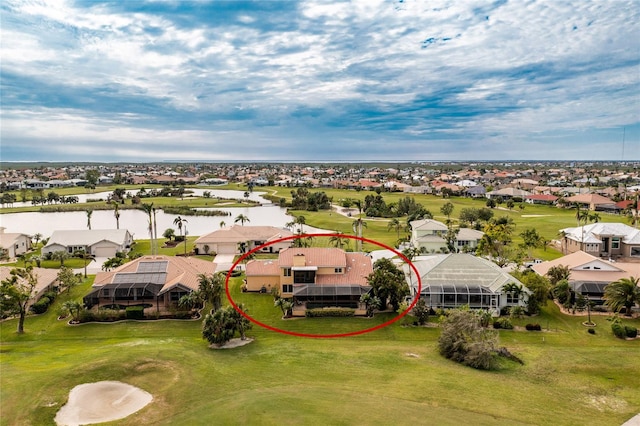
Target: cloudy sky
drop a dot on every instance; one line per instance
(319, 80)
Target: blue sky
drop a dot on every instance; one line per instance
(319, 80)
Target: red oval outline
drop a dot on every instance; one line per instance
(311, 335)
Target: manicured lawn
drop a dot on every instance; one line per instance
(391, 376)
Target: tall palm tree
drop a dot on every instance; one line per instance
(338, 240)
(242, 219)
(222, 224)
(396, 225)
(148, 209)
(623, 293)
(358, 224)
(86, 257)
(300, 220)
(180, 222)
(89, 213)
(116, 213)
(36, 237)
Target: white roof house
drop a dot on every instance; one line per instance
(15, 244)
(98, 242)
(429, 235)
(603, 239)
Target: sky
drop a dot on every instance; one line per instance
(367, 80)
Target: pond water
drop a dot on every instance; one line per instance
(195, 192)
(136, 221)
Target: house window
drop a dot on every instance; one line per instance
(513, 299)
(287, 272)
(105, 292)
(338, 270)
(287, 288)
(615, 243)
(635, 251)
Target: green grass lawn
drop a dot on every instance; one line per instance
(391, 376)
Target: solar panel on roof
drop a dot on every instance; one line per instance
(152, 267)
(138, 278)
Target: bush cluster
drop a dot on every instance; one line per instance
(591, 331)
(533, 327)
(330, 312)
(134, 312)
(41, 306)
(618, 330)
(630, 332)
(503, 323)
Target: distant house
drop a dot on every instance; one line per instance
(313, 277)
(428, 235)
(508, 193)
(14, 244)
(601, 239)
(47, 280)
(458, 279)
(593, 201)
(97, 242)
(159, 280)
(589, 275)
(540, 199)
(238, 239)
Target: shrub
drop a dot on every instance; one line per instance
(533, 327)
(330, 312)
(630, 332)
(86, 316)
(41, 306)
(134, 312)
(464, 340)
(503, 323)
(591, 331)
(618, 330)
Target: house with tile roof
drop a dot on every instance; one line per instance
(97, 242)
(157, 280)
(313, 277)
(238, 239)
(47, 280)
(459, 279)
(589, 275)
(592, 201)
(608, 240)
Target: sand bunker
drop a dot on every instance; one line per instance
(101, 402)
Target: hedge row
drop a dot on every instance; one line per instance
(622, 331)
(503, 323)
(533, 327)
(330, 312)
(41, 306)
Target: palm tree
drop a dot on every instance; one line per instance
(242, 219)
(89, 213)
(358, 224)
(290, 225)
(116, 213)
(60, 255)
(36, 237)
(513, 289)
(179, 222)
(86, 257)
(222, 224)
(148, 209)
(338, 240)
(73, 308)
(396, 225)
(300, 220)
(623, 293)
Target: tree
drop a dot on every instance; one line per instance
(464, 340)
(240, 323)
(447, 209)
(169, 233)
(285, 306)
(623, 293)
(421, 311)
(217, 328)
(495, 243)
(388, 283)
(338, 240)
(67, 278)
(60, 255)
(190, 300)
(300, 221)
(116, 213)
(211, 288)
(36, 238)
(92, 177)
(513, 290)
(396, 225)
(531, 239)
(15, 293)
(89, 214)
(223, 224)
(558, 273)
(148, 209)
(180, 222)
(358, 224)
(371, 303)
(86, 257)
(73, 308)
(242, 219)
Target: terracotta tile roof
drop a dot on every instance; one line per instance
(45, 276)
(263, 267)
(237, 234)
(314, 256)
(358, 268)
(589, 199)
(179, 270)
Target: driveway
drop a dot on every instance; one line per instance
(92, 267)
(224, 262)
